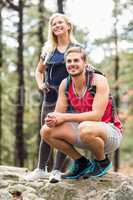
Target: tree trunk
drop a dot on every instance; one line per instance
(41, 40)
(60, 6)
(1, 62)
(116, 75)
(19, 143)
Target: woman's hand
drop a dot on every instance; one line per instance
(43, 87)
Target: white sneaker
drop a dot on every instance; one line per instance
(36, 174)
(55, 176)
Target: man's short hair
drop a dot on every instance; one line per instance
(80, 50)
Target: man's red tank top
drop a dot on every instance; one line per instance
(84, 104)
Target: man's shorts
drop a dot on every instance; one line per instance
(114, 137)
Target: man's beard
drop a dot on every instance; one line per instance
(77, 74)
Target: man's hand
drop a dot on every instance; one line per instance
(54, 119)
(50, 121)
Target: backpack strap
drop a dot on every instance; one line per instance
(70, 108)
(89, 77)
(67, 84)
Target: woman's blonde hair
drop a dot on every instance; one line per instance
(51, 43)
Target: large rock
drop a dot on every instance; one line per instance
(113, 186)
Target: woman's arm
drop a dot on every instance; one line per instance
(39, 74)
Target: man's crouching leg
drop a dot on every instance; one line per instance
(63, 137)
(94, 134)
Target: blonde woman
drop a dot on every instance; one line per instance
(52, 69)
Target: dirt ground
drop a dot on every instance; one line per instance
(126, 168)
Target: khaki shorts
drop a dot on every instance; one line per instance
(114, 137)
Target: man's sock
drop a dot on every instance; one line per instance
(82, 161)
(103, 163)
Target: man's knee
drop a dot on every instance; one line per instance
(86, 131)
(86, 125)
(45, 132)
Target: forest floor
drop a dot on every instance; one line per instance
(126, 168)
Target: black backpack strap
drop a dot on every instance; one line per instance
(90, 74)
(90, 86)
(67, 84)
(70, 108)
(89, 78)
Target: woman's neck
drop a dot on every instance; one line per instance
(63, 42)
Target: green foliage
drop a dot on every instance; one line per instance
(126, 147)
